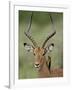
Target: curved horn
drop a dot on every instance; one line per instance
(48, 39)
(27, 33)
(31, 39)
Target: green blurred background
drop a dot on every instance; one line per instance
(41, 27)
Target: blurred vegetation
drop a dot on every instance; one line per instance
(41, 27)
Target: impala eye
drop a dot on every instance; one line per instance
(44, 52)
(34, 54)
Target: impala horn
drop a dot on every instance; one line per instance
(48, 39)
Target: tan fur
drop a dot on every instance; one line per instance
(43, 70)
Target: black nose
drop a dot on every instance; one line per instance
(37, 64)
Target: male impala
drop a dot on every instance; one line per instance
(41, 64)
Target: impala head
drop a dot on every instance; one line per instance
(39, 52)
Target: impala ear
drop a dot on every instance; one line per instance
(50, 47)
(28, 47)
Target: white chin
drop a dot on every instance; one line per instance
(37, 67)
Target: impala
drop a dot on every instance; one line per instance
(42, 65)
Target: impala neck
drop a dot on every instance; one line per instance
(44, 71)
